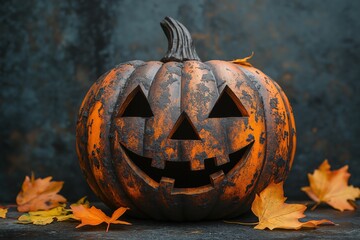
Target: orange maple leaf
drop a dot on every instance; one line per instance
(331, 187)
(243, 61)
(270, 207)
(39, 194)
(94, 216)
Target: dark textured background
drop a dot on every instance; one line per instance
(52, 51)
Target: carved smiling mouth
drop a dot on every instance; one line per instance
(181, 172)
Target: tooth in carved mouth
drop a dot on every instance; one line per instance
(181, 172)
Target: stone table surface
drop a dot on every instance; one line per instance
(348, 227)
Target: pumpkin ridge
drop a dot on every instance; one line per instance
(97, 97)
(226, 71)
(110, 171)
(214, 205)
(292, 127)
(168, 75)
(88, 102)
(160, 212)
(135, 64)
(278, 170)
(266, 129)
(149, 69)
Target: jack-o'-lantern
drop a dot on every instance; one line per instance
(180, 139)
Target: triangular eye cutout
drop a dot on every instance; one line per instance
(228, 105)
(184, 129)
(136, 105)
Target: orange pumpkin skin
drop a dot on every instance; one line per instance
(184, 140)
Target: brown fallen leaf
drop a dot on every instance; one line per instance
(243, 61)
(3, 212)
(331, 187)
(39, 194)
(94, 216)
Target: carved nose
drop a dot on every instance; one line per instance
(184, 129)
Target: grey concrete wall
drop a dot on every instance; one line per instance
(52, 51)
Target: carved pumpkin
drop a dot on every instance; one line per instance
(180, 139)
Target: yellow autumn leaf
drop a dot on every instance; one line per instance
(37, 220)
(3, 212)
(82, 201)
(331, 187)
(46, 216)
(243, 61)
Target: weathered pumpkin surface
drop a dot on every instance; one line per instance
(180, 139)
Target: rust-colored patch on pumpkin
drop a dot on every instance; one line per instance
(94, 123)
(110, 77)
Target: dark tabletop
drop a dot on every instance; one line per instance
(348, 227)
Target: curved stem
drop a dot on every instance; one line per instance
(242, 223)
(315, 206)
(180, 44)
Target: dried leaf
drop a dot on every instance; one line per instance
(82, 201)
(46, 216)
(37, 220)
(270, 207)
(3, 212)
(39, 194)
(94, 216)
(331, 187)
(243, 61)
(60, 213)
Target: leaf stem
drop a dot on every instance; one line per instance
(315, 206)
(8, 206)
(242, 223)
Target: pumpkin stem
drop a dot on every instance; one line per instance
(180, 44)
